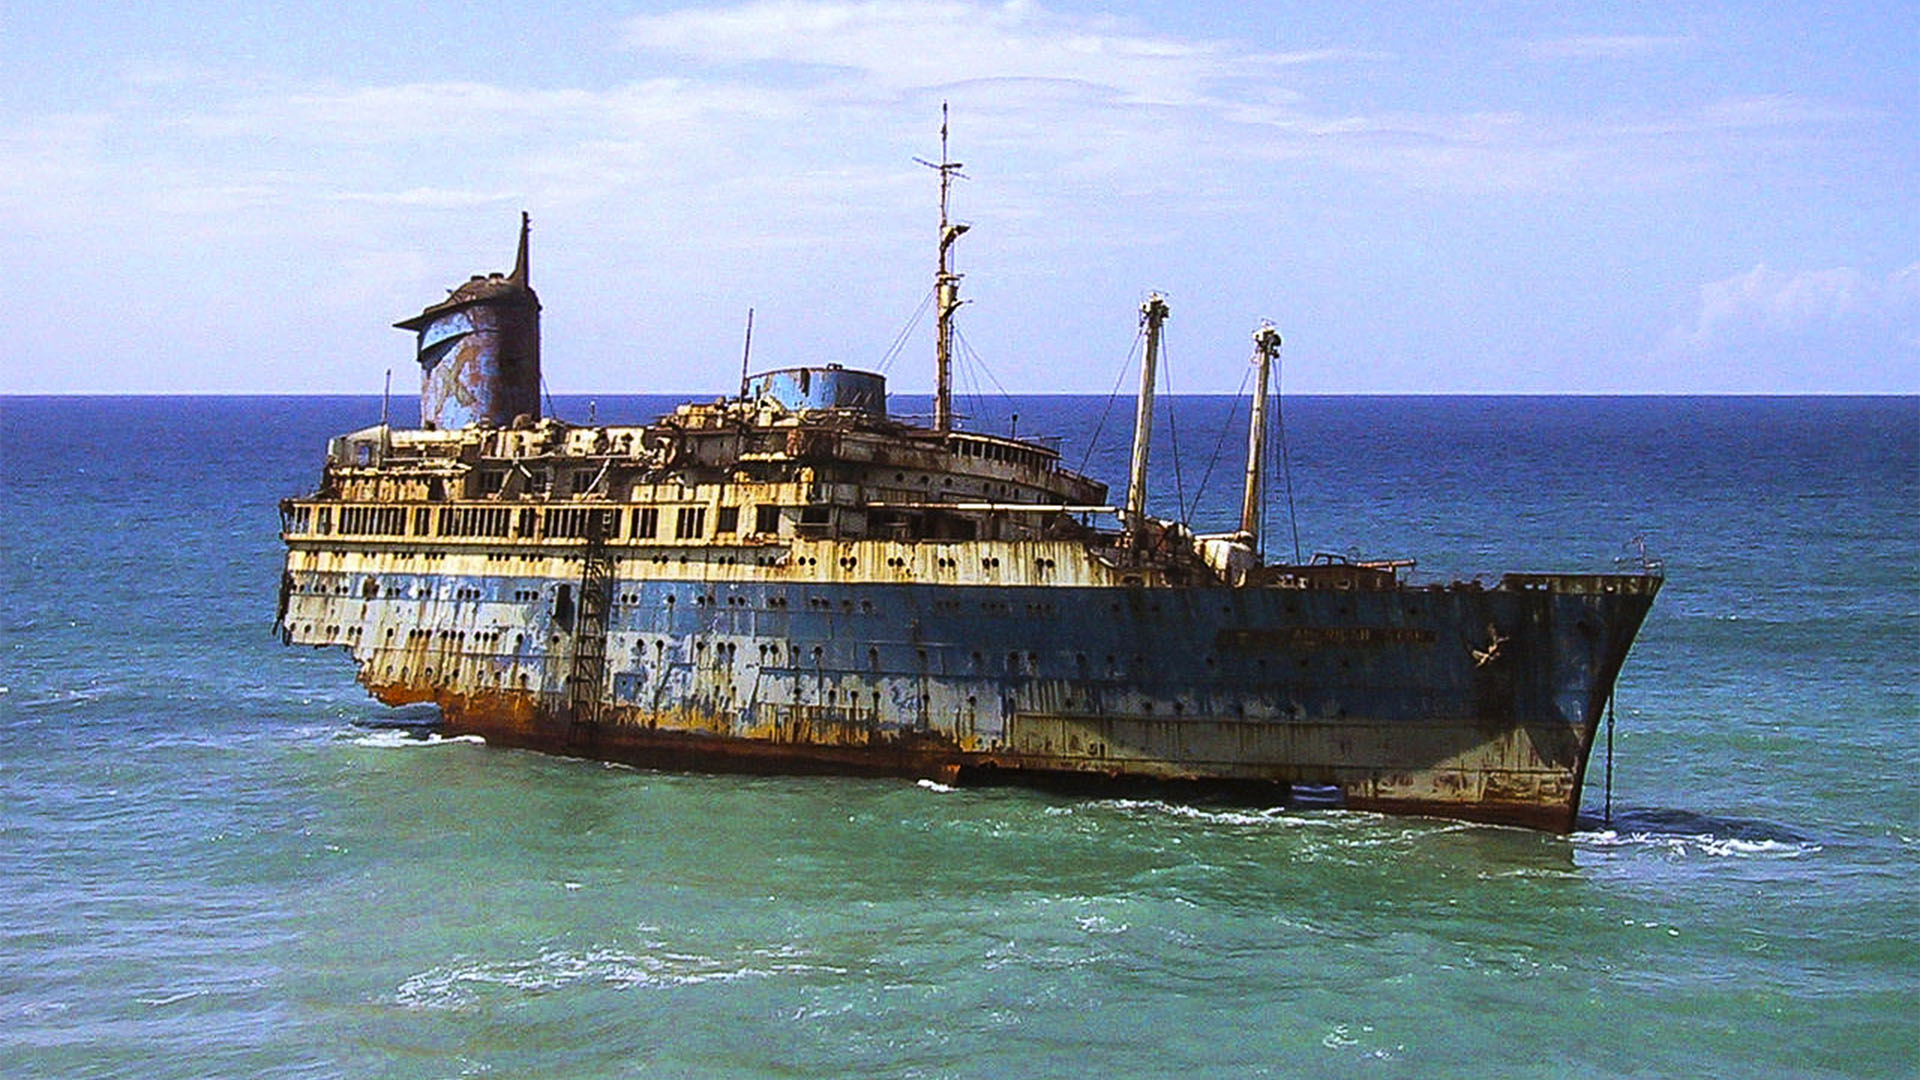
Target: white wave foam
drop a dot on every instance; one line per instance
(1355, 1037)
(1683, 844)
(1252, 817)
(394, 738)
(935, 785)
(1099, 924)
(1340, 1036)
(1672, 931)
(458, 986)
(65, 697)
(170, 999)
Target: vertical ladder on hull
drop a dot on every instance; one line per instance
(587, 676)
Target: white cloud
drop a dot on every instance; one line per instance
(431, 197)
(1810, 325)
(1773, 302)
(897, 44)
(399, 113)
(1752, 116)
(1089, 95)
(1602, 47)
(44, 161)
(725, 155)
(781, 89)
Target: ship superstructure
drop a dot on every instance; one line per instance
(791, 579)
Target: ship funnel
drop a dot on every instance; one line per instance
(479, 350)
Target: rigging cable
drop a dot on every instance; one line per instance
(966, 380)
(966, 352)
(900, 340)
(1112, 396)
(1220, 444)
(966, 386)
(1286, 465)
(1173, 436)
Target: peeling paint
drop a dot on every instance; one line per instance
(793, 580)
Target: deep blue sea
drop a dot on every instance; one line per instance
(210, 868)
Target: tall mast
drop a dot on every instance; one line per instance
(1266, 346)
(946, 288)
(1152, 313)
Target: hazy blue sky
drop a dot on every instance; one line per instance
(1542, 197)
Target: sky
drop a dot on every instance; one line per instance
(203, 197)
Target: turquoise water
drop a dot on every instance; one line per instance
(213, 868)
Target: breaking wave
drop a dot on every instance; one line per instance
(57, 698)
(459, 986)
(1696, 844)
(399, 738)
(1245, 817)
(1683, 832)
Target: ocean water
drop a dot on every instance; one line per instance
(211, 867)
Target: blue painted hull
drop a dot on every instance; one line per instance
(1390, 696)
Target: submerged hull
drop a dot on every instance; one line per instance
(1458, 701)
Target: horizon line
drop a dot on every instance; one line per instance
(697, 396)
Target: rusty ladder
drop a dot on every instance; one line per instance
(586, 678)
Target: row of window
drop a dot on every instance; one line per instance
(470, 520)
(563, 523)
(992, 451)
(372, 520)
(539, 481)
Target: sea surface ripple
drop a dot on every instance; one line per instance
(217, 863)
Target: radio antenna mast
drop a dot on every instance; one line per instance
(746, 351)
(946, 287)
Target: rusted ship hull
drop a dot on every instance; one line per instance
(795, 579)
(1458, 701)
